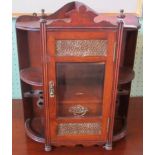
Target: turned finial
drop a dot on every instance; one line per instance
(43, 13)
(43, 16)
(121, 15)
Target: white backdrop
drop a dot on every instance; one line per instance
(50, 6)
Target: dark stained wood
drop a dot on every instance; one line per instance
(132, 144)
(130, 48)
(34, 25)
(26, 18)
(32, 134)
(115, 84)
(82, 59)
(23, 55)
(126, 75)
(34, 128)
(120, 135)
(32, 76)
(75, 14)
(35, 52)
(74, 119)
(111, 37)
(130, 21)
(38, 59)
(81, 16)
(45, 83)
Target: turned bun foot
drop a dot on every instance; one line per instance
(108, 147)
(48, 148)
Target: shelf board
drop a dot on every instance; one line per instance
(119, 132)
(32, 23)
(31, 127)
(126, 75)
(120, 128)
(33, 76)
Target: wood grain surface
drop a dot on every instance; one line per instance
(131, 145)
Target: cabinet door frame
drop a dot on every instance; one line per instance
(108, 81)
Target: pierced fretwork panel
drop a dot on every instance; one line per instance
(81, 47)
(79, 129)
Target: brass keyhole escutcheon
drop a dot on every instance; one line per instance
(51, 89)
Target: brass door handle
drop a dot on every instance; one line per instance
(51, 89)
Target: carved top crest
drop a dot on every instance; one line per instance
(71, 15)
(79, 16)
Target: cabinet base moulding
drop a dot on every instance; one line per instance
(40, 138)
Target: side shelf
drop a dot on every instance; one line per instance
(33, 76)
(37, 136)
(126, 75)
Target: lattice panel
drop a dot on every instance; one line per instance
(81, 47)
(79, 129)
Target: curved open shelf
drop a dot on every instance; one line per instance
(31, 130)
(120, 129)
(120, 135)
(32, 76)
(126, 75)
(38, 137)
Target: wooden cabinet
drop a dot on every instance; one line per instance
(76, 72)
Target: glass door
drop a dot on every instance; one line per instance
(79, 89)
(79, 95)
(79, 107)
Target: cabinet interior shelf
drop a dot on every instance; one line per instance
(126, 75)
(33, 76)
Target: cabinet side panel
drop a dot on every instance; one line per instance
(23, 56)
(130, 48)
(34, 41)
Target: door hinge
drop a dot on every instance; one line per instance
(108, 124)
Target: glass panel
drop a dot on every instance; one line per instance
(79, 129)
(81, 47)
(79, 89)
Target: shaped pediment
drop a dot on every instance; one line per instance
(76, 14)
